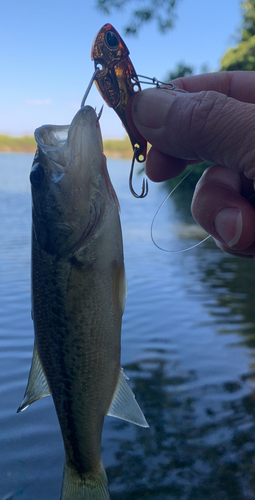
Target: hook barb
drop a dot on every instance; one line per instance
(145, 187)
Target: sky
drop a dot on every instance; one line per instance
(45, 52)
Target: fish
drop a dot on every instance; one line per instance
(78, 298)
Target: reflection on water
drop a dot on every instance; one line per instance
(187, 346)
(231, 285)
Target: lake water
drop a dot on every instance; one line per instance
(188, 347)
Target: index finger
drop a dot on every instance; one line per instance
(236, 84)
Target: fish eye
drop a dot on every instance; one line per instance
(37, 175)
(111, 40)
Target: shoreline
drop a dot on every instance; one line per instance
(113, 148)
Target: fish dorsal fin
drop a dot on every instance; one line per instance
(37, 386)
(124, 404)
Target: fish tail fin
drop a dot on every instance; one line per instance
(93, 486)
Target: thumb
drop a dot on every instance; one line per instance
(206, 126)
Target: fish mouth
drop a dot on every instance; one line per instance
(60, 143)
(50, 137)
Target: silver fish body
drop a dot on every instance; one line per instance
(78, 298)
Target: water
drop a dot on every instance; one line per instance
(188, 346)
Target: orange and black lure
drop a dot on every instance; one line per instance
(117, 82)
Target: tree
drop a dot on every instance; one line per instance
(181, 70)
(160, 11)
(242, 57)
(248, 19)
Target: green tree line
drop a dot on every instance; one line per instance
(9, 144)
(113, 148)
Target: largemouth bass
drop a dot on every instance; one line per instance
(78, 298)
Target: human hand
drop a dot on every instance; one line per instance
(214, 121)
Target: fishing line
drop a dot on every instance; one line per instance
(157, 212)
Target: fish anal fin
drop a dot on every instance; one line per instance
(124, 404)
(37, 386)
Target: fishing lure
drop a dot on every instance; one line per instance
(118, 82)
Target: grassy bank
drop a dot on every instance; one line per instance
(9, 144)
(113, 148)
(118, 148)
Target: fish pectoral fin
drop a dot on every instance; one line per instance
(37, 386)
(124, 404)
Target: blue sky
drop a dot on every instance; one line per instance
(45, 55)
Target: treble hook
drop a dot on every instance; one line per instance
(145, 187)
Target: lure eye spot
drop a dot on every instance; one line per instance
(37, 175)
(111, 40)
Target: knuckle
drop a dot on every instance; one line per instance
(220, 130)
(207, 108)
(203, 110)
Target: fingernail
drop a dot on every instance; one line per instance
(151, 106)
(229, 224)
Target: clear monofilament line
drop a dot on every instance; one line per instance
(162, 204)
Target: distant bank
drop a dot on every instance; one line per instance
(9, 144)
(113, 148)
